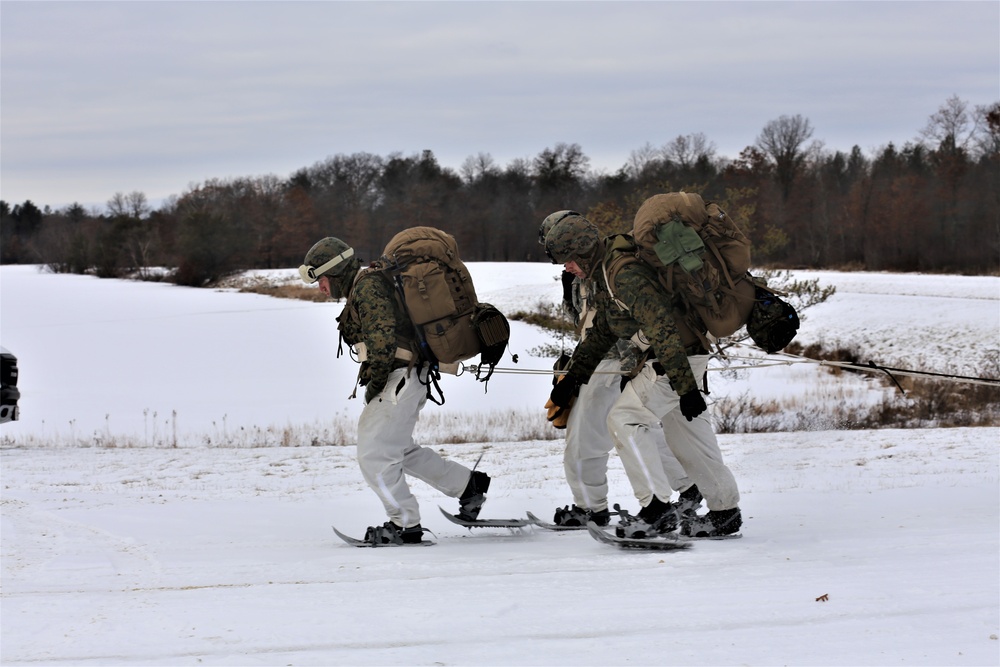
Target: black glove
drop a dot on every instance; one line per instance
(692, 404)
(562, 363)
(371, 393)
(565, 391)
(567, 285)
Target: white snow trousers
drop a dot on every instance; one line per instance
(588, 443)
(648, 400)
(386, 451)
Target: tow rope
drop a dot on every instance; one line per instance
(785, 359)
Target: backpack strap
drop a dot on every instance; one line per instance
(621, 252)
(624, 251)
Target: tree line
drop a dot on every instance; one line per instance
(931, 205)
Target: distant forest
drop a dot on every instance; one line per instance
(932, 205)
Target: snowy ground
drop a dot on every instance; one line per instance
(859, 547)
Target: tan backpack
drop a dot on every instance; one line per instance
(436, 292)
(699, 254)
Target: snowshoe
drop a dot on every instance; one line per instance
(656, 518)
(577, 517)
(390, 533)
(714, 523)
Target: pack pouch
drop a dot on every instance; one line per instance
(773, 321)
(493, 331)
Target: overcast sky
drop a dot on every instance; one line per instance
(98, 98)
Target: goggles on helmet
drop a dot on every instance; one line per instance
(311, 274)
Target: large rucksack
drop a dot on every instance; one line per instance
(435, 290)
(701, 255)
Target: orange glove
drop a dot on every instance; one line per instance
(558, 415)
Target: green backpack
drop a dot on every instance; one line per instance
(701, 255)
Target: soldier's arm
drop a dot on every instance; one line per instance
(650, 307)
(375, 301)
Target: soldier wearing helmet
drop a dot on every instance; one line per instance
(374, 324)
(588, 444)
(664, 391)
(332, 263)
(575, 242)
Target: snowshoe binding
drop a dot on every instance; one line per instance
(688, 503)
(390, 533)
(576, 516)
(655, 519)
(715, 524)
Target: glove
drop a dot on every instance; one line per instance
(371, 393)
(557, 416)
(692, 404)
(562, 363)
(567, 286)
(561, 400)
(565, 391)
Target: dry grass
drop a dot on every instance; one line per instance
(914, 403)
(281, 289)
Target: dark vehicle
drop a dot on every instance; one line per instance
(9, 393)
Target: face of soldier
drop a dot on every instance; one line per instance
(324, 285)
(329, 288)
(574, 268)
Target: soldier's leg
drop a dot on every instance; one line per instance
(588, 442)
(634, 430)
(448, 477)
(676, 475)
(694, 443)
(385, 433)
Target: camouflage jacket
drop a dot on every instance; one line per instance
(580, 304)
(647, 307)
(374, 316)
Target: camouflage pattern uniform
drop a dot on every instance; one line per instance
(394, 396)
(374, 317)
(588, 443)
(654, 395)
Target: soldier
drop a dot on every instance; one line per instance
(665, 390)
(374, 323)
(588, 443)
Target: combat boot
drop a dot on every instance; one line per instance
(688, 503)
(472, 499)
(715, 523)
(656, 518)
(390, 533)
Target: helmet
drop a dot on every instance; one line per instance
(328, 257)
(572, 238)
(550, 221)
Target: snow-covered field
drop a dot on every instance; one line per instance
(859, 547)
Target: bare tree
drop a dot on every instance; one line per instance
(987, 138)
(952, 127)
(641, 159)
(477, 166)
(133, 206)
(562, 165)
(686, 150)
(782, 141)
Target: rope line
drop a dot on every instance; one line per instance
(788, 360)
